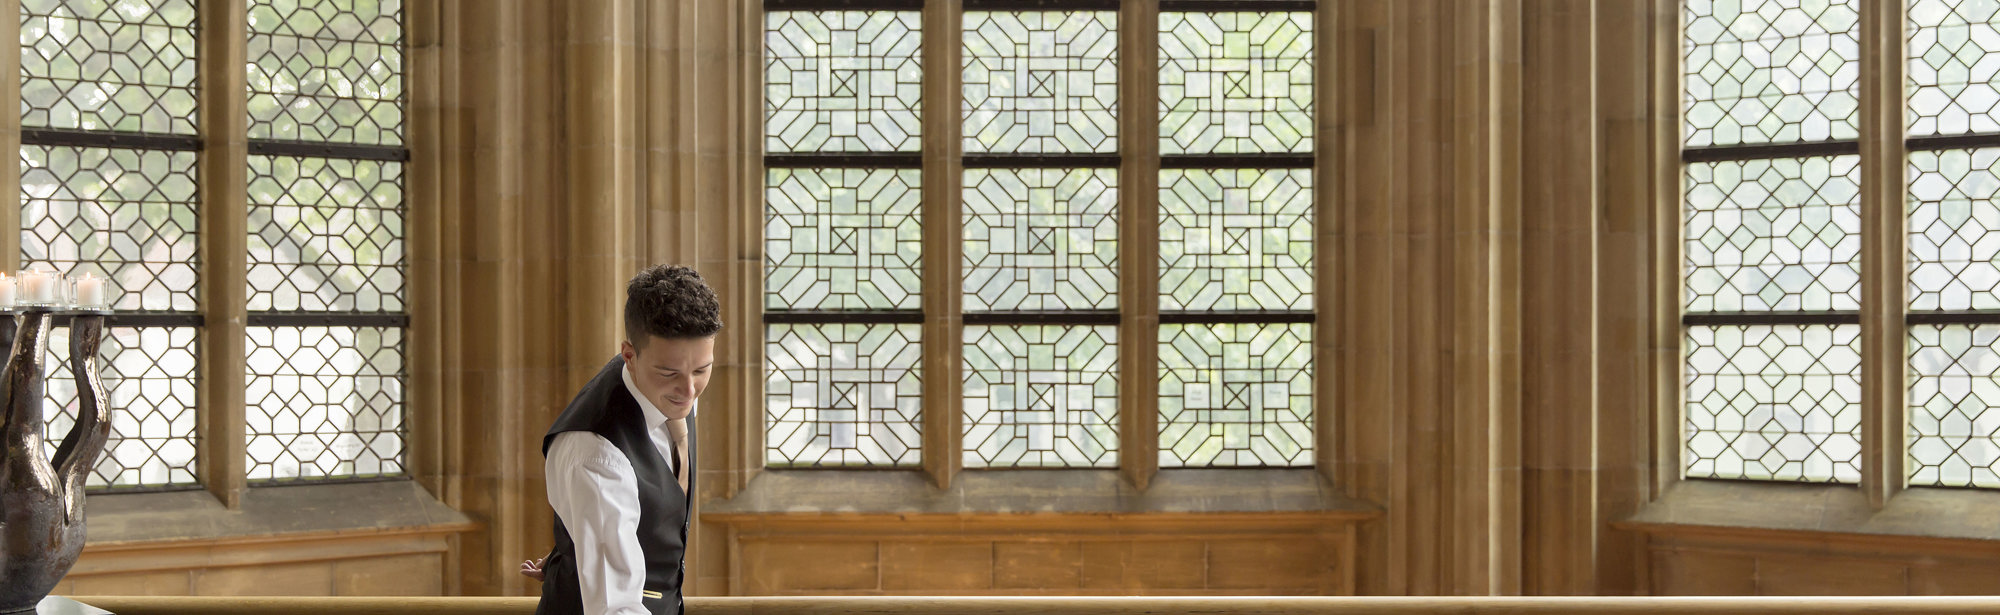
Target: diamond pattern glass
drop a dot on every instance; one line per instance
(842, 81)
(1954, 67)
(1774, 402)
(1236, 239)
(842, 394)
(1041, 396)
(112, 65)
(125, 215)
(1236, 395)
(1041, 239)
(1236, 82)
(149, 375)
(1041, 82)
(1954, 406)
(325, 402)
(842, 239)
(1769, 71)
(1773, 235)
(326, 71)
(1954, 230)
(326, 234)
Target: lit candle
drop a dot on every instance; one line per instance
(6, 291)
(90, 292)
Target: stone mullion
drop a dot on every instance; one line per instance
(10, 136)
(943, 328)
(223, 247)
(1138, 241)
(1884, 445)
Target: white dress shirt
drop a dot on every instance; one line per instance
(593, 489)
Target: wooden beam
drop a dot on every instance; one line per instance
(931, 605)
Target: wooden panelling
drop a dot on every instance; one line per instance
(1702, 574)
(811, 566)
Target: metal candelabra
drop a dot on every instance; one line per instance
(41, 501)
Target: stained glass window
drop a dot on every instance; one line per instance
(325, 402)
(842, 81)
(1775, 402)
(1236, 395)
(1952, 67)
(1041, 81)
(1041, 239)
(839, 394)
(120, 65)
(326, 72)
(1237, 239)
(1769, 71)
(1236, 82)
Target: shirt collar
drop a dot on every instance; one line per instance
(654, 418)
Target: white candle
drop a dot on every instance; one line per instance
(38, 286)
(90, 292)
(6, 291)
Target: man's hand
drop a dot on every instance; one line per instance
(532, 569)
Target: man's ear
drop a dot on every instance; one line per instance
(625, 349)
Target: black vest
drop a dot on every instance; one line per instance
(607, 409)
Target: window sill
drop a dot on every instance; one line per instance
(979, 492)
(1740, 508)
(394, 507)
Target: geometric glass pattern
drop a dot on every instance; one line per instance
(842, 239)
(326, 234)
(1236, 239)
(839, 81)
(1954, 405)
(127, 215)
(326, 71)
(325, 402)
(1040, 82)
(1236, 82)
(842, 394)
(1954, 230)
(1769, 71)
(1774, 402)
(1777, 234)
(1236, 395)
(1041, 239)
(149, 378)
(1954, 67)
(118, 65)
(1041, 396)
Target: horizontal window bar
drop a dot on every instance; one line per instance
(1080, 317)
(1758, 152)
(338, 480)
(1962, 317)
(1239, 161)
(389, 153)
(327, 319)
(844, 317)
(1168, 6)
(105, 138)
(121, 490)
(1249, 317)
(129, 319)
(843, 5)
(884, 160)
(1952, 142)
(1041, 5)
(1040, 161)
(1771, 318)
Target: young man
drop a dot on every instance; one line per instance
(620, 460)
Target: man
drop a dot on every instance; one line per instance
(620, 460)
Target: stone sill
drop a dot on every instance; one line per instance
(393, 507)
(1745, 508)
(1017, 492)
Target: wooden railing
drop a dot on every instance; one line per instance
(1083, 606)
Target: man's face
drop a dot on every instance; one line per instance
(671, 373)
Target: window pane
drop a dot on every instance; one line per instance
(1954, 230)
(326, 71)
(125, 215)
(124, 65)
(325, 402)
(1236, 395)
(1236, 239)
(842, 239)
(1041, 239)
(1955, 405)
(1236, 83)
(1773, 235)
(842, 81)
(326, 234)
(1041, 82)
(1041, 396)
(1774, 402)
(1953, 67)
(149, 375)
(1769, 71)
(842, 394)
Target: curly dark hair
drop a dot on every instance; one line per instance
(671, 302)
